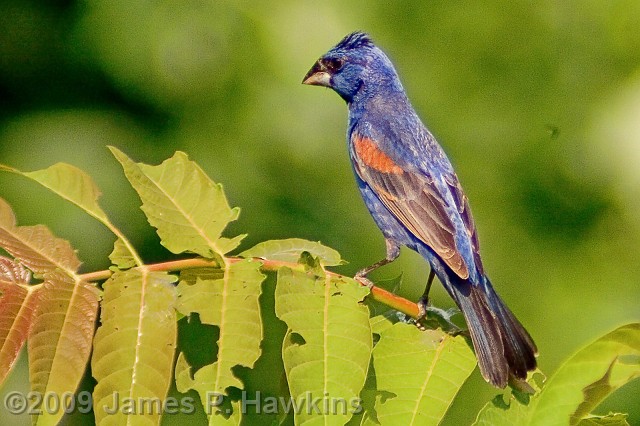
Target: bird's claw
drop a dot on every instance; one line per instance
(441, 316)
(423, 305)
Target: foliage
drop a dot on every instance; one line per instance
(536, 103)
(340, 363)
(578, 386)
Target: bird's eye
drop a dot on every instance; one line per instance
(334, 64)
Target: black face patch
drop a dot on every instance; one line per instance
(333, 64)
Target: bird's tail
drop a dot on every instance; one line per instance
(504, 349)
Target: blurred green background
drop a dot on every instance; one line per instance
(537, 104)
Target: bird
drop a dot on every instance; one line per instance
(416, 199)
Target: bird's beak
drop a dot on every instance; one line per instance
(318, 76)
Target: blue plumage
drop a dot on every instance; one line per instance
(415, 198)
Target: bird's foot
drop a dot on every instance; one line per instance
(441, 317)
(423, 305)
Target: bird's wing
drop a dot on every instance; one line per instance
(415, 200)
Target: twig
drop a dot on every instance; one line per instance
(378, 294)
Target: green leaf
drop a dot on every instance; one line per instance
(35, 246)
(134, 346)
(187, 208)
(203, 382)
(578, 386)
(218, 294)
(328, 335)
(17, 305)
(311, 264)
(60, 338)
(590, 375)
(121, 256)
(381, 323)
(500, 413)
(367, 415)
(231, 303)
(422, 371)
(76, 186)
(369, 393)
(289, 250)
(72, 184)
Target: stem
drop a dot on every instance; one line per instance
(378, 294)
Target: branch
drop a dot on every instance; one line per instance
(378, 294)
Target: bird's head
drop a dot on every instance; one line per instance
(351, 64)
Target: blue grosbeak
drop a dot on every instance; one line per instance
(414, 196)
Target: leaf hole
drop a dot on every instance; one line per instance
(297, 339)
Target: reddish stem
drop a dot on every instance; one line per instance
(378, 294)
